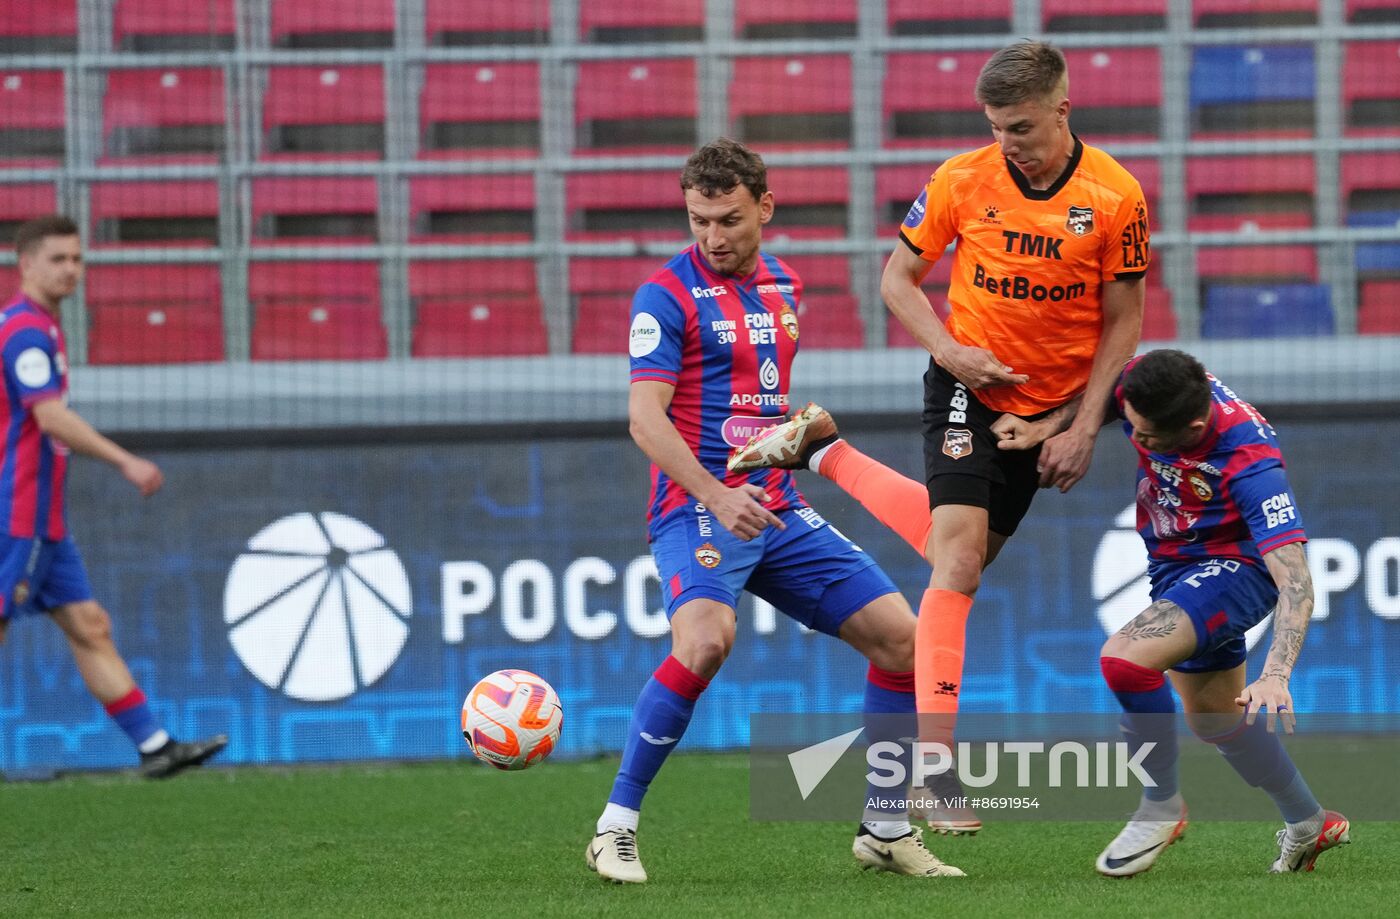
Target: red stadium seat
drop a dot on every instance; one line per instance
(1116, 94)
(39, 26)
(1371, 181)
(635, 205)
(929, 97)
(827, 321)
(491, 109)
(321, 110)
(636, 106)
(779, 19)
(475, 207)
(1244, 14)
(316, 311)
(315, 209)
(1149, 176)
(1252, 188)
(1158, 317)
(822, 274)
(154, 314)
(784, 102)
(610, 275)
(601, 322)
(356, 24)
(1103, 15)
(179, 213)
(164, 111)
(1379, 310)
(167, 285)
(1371, 87)
(19, 203)
(809, 202)
(487, 22)
(463, 279)
(1373, 11)
(629, 21)
(173, 25)
(948, 17)
(480, 327)
(1271, 264)
(31, 117)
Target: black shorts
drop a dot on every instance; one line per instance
(962, 464)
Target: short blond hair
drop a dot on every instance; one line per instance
(1025, 71)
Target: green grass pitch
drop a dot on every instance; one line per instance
(455, 839)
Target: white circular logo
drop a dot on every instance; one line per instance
(646, 335)
(318, 606)
(1120, 583)
(768, 374)
(33, 368)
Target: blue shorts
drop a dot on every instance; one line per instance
(37, 575)
(1225, 597)
(810, 572)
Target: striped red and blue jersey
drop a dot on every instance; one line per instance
(726, 344)
(1225, 497)
(34, 467)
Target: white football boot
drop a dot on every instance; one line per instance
(1301, 854)
(905, 855)
(1145, 837)
(613, 854)
(787, 445)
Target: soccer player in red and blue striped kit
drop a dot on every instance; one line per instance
(713, 337)
(40, 568)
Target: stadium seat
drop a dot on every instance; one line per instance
(39, 27)
(315, 209)
(783, 102)
(1268, 191)
(808, 202)
(787, 19)
(463, 279)
(1257, 263)
(162, 111)
(605, 21)
(1149, 176)
(164, 213)
(469, 109)
(480, 327)
(316, 311)
(173, 25)
(929, 97)
(1373, 11)
(19, 203)
(1371, 87)
(1267, 311)
(611, 275)
(154, 314)
(352, 24)
(601, 322)
(637, 205)
(827, 321)
(1117, 94)
(1158, 317)
(324, 110)
(1248, 14)
(636, 106)
(1378, 312)
(1371, 181)
(1103, 15)
(948, 17)
(1256, 89)
(477, 207)
(822, 274)
(31, 117)
(487, 22)
(1377, 258)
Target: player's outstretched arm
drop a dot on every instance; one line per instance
(1289, 567)
(739, 510)
(68, 427)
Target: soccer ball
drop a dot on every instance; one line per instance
(511, 719)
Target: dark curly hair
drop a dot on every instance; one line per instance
(723, 165)
(1167, 387)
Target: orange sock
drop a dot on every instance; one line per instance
(897, 501)
(939, 641)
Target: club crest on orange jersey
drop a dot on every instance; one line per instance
(957, 443)
(788, 317)
(1080, 221)
(708, 556)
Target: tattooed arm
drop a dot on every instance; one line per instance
(1289, 568)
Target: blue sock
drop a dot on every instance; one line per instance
(1260, 759)
(1148, 715)
(889, 716)
(662, 713)
(133, 716)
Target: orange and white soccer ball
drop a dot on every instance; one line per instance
(511, 719)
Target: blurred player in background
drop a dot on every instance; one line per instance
(40, 568)
(713, 336)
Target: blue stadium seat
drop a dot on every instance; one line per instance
(1267, 311)
(1252, 73)
(1377, 258)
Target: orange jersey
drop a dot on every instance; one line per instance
(1029, 267)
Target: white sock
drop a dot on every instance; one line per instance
(1304, 829)
(617, 817)
(1169, 809)
(154, 742)
(888, 829)
(814, 462)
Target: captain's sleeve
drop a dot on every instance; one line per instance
(1127, 246)
(930, 225)
(657, 338)
(31, 366)
(1267, 504)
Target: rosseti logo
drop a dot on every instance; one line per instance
(317, 607)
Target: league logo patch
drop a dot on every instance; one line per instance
(957, 443)
(21, 593)
(708, 556)
(916, 210)
(1200, 486)
(1080, 221)
(789, 320)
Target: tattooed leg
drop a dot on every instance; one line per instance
(1160, 637)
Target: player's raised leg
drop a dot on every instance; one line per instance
(702, 634)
